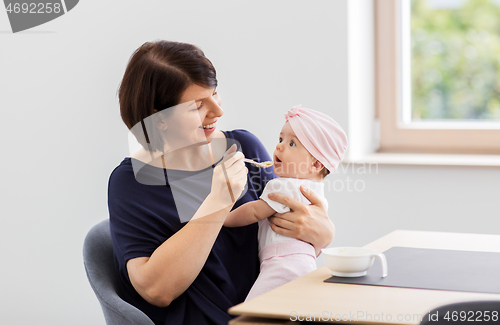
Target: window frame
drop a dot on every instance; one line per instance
(421, 137)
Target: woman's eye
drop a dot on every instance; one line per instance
(201, 105)
(292, 144)
(215, 93)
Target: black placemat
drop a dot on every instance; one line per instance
(436, 269)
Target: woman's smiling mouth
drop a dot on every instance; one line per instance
(209, 127)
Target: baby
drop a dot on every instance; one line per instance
(311, 145)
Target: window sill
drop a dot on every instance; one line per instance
(426, 159)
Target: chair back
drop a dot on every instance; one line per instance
(99, 265)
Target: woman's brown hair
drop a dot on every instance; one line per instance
(156, 76)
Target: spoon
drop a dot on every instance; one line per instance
(264, 164)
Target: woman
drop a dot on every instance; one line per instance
(175, 260)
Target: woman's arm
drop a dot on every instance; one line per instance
(249, 213)
(309, 223)
(176, 263)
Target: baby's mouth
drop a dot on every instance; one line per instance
(276, 159)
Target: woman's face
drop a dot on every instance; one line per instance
(194, 120)
(207, 103)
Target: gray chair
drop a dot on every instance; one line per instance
(100, 268)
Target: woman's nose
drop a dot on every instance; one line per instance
(215, 108)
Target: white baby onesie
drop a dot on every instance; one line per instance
(291, 188)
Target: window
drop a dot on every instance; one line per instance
(438, 75)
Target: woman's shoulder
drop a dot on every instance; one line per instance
(123, 179)
(121, 176)
(133, 175)
(251, 146)
(242, 135)
(123, 169)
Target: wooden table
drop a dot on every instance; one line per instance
(335, 302)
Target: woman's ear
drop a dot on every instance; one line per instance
(160, 122)
(162, 125)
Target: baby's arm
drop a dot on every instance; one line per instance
(249, 213)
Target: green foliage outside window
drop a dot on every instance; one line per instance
(455, 60)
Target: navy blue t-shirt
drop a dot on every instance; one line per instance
(142, 217)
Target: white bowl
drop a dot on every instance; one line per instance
(352, 261)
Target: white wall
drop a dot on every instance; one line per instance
(62, 135)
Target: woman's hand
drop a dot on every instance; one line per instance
(309, 223)
(229, 178)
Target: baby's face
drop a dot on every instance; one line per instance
(291, 159)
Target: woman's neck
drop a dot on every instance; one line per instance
(192, 158)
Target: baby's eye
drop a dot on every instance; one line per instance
(292, 144)
(280, 140)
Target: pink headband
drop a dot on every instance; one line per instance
(319, 134)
